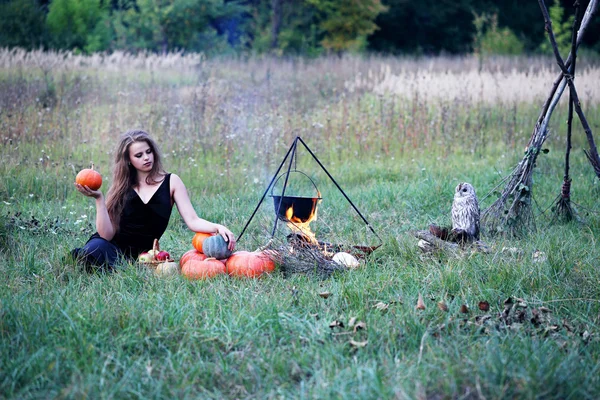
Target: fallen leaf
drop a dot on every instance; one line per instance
(552, 329)
(567, 326)
(381, 306)
(484, 306)
(356, 344)
(296, 372)
(442, 306)
(304, 339)
(520, 316)
(545, 309)
(511, 250)
(521, 304)
(539, 256)
(505, 313)
(149, 368)
(325, 294)
(464, 309)
(336, 324)
(359, 326)
(351, 322)
(420, 303)
(585, 336)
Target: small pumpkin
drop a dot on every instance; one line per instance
(208, 268)
(249, 264)
(198, 240)
(192, 254)
(90, 178)
(167, 268)
(215, 246)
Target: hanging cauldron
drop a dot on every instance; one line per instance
(296, 209)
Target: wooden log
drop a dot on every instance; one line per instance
(429, 243)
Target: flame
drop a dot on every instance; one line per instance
(297, 226)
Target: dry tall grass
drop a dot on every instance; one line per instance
(242, 114)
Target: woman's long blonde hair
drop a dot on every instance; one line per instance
(125, 175)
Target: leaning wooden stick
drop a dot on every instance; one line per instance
(564, 208)
(568, 75)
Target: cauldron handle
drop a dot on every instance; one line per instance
(298, 172)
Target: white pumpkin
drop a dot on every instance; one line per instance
(167, 268)
(346, 259)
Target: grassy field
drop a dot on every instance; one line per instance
(397, 134)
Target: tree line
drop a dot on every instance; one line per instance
(288, 27)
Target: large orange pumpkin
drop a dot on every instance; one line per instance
(198, 239)
(208, 268)
(192, 254)
(90, 178)
(249, 264)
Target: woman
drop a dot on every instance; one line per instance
(138, 205)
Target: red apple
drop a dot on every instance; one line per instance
(163, 255)
(145, 257)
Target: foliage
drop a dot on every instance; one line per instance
(155, 25)
(489, 39)
(166, 25)
(562, 28)
(298, 33)
(346, 23)
(22, 24)
(425, 27)
(73, 23)
(308, 27)
(282, 27)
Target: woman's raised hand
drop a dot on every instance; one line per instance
(86, 191)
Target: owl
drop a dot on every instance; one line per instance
(465, 214)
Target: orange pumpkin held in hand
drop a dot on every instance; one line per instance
(90, 178)
(198, 239)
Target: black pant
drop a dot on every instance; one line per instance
(98, 252)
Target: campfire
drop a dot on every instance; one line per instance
(301, 228)
(296, 206)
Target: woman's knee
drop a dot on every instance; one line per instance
(99, 252)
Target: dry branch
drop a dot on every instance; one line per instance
(298, 258)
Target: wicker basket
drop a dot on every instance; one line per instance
(152, 264)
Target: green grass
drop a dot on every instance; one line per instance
(65, 333)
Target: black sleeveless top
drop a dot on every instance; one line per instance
(141, 222)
